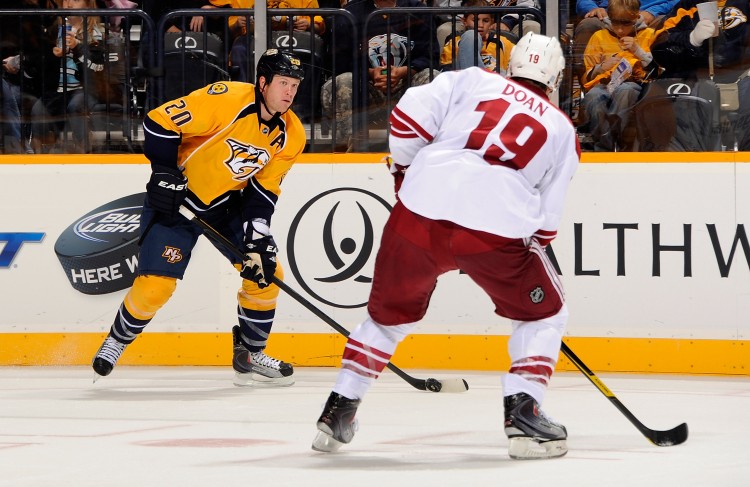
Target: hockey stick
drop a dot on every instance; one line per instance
(429, 384)
(675, 436)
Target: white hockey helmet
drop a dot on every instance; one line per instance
(539, 58)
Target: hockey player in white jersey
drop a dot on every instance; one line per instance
(482, 164)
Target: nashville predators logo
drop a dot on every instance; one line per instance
(217, 89)
(245, 160)
(732, 17)
(172, 254)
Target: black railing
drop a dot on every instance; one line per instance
(149, 66)
(155, 66)
(104, 109)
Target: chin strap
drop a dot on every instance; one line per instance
(259, 96)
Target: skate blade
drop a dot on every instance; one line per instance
(526, 448)
(257, 380)
(324, 441)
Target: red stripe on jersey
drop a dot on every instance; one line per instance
(549, 268)
(545, 233)
(402, 131)
(410, 135)
(401, 118)
(398, 125)
(545, 237)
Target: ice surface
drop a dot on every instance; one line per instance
(189, 426)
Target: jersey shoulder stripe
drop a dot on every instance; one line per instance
(406, 127)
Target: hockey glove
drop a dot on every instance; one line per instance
(397, 170)
(166, 190)
(260, 260)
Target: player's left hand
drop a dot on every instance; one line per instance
(260, 260)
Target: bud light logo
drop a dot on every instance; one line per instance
(99, 251)
(101, 227)
(331, 245)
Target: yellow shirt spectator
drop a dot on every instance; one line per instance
(236, 24)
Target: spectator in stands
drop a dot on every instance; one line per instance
(617, 60)
(242, 30)
(116, 22)
(447, 22)
(510, 22)
(479, 45)
(156, 9)
(383, 66)
(691, 48)
(12, 142)
(26, 51)
(76, 94)
(593, 13)
(10, 92)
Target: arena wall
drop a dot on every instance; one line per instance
(653, 251)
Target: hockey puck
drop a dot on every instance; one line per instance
(99, 251)
(433, 385)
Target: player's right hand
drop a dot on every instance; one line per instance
(166, 190)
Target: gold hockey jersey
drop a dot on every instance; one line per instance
(222, 141)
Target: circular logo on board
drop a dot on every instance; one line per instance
(331, 245)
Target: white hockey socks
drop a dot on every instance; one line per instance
(533, 348)
(367, 352)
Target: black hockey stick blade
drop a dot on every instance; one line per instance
(429, 384)
(674, 436)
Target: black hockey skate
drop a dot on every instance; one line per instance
(107, 356)
(532, 435)
(257, 368)
(337, 424)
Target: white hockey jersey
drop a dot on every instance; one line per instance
(484, 152)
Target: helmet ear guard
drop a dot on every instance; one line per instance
(538, 58)
(277, 63)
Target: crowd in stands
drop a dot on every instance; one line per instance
(625, 56)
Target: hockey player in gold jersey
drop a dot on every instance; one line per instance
(222, 151)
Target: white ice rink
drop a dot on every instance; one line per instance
(189, 426)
